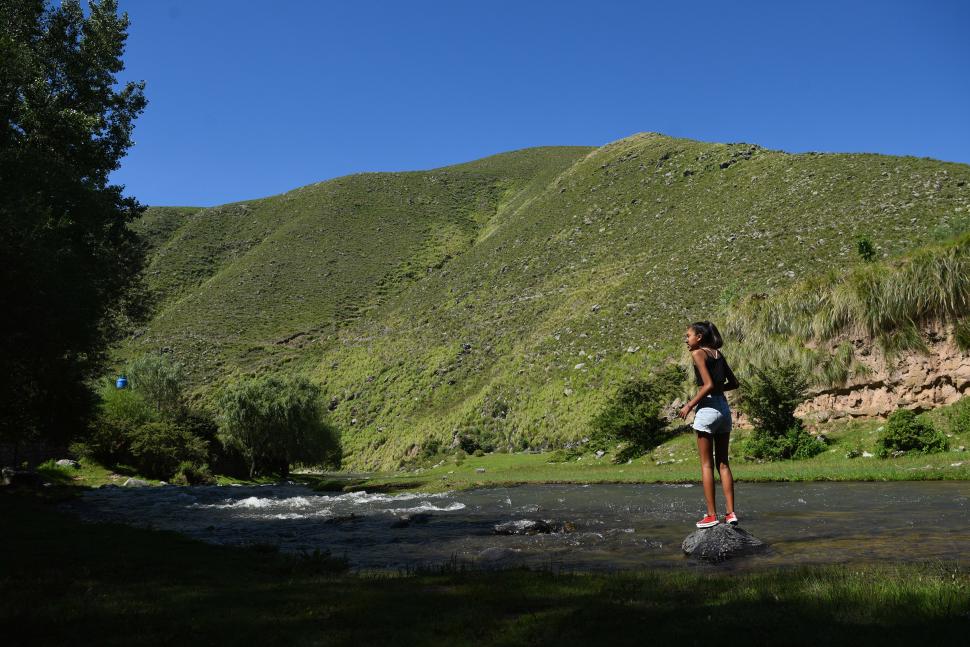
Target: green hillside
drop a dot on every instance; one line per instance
(507, 297)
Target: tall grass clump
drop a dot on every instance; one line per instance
(811, 323)
(769, 398)
(636, 414)
(906, 432)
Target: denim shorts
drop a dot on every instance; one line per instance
(713, 415)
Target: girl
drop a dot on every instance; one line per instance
(713, 418)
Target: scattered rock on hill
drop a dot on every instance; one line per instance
(67, 462)
(720, 542)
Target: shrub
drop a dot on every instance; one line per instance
(277, 420)
(769, 398)
(904, 431)
(158, 448)
(430, 448)
(472, 439)
(120, 414)
(866, 250)
(795, 443)
(565, 455)
(635, 415)
(192, 474)
(158, 379)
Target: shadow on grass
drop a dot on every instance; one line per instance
(109, 584)
(632, 452)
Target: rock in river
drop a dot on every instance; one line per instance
(532, 527)
(720, 542)
(406, 520)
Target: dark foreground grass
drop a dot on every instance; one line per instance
(66, 582)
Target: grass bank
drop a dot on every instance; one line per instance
(675, 461)
(105, 584)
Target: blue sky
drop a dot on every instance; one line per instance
(249, 99)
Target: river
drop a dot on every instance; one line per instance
(609, 526)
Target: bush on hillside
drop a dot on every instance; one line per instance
(866, 250)
(635, 414)
(769, 398)
(430, 448)
(275, 421)
(905, 432)
(476, 438)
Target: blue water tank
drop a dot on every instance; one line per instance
(121, 382)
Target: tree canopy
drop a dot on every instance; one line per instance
(68, 256)
(276, 420)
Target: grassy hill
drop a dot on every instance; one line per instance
(508, 297)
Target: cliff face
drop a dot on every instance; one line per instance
(912, 380)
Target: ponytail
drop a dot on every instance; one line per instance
(710, 336)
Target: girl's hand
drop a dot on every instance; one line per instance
(684, 411)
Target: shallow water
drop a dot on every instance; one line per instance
(615, 526)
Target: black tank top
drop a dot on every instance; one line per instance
(717, 367)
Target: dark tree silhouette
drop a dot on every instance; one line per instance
(69, 259)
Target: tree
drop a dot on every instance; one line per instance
(769, 397)
(159, 378)
(275, 421)
(69, 259)
(636, 413)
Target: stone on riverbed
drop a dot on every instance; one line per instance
(532, 527)
(720, 542)
(407, 519)
(132, 482)
(496, 556)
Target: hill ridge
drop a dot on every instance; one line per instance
(593, 257)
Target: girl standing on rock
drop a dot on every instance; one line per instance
(712, 422)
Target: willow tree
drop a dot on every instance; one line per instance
(68, 256)
(277, 420)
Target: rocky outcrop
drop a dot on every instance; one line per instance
(721, 542)
(912, 380)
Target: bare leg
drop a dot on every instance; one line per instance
(704, 448)
(721, 443)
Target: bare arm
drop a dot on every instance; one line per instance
(732, 382)
(707, 385)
